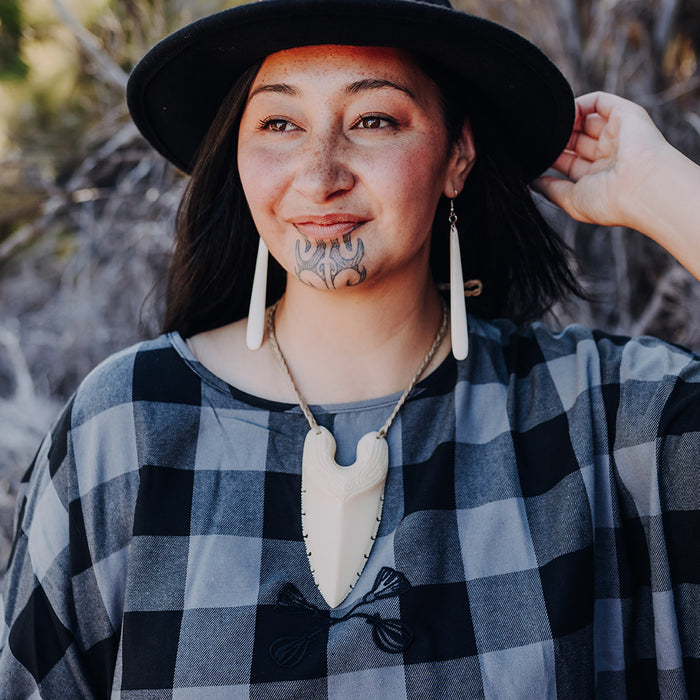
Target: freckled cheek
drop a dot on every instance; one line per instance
(262, 178)
(411, 182)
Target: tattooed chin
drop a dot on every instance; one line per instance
(331, 264)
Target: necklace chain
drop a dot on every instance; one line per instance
(439, 337)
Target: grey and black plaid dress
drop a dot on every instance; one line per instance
(540, 534)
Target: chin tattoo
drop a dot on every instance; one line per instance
(335, 263)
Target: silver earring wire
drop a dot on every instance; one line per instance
(459, 330)
(255, 328)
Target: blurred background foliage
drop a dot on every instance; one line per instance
(86, 208)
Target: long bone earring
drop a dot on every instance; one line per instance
(256, 312)
(458, 309)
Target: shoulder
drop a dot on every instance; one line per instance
(98, 436)
(580, 349)
(147, 371)
(632, 380)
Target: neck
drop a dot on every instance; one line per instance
(355, 344)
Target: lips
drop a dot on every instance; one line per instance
(326, 226)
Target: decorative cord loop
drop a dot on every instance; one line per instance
(389, 635)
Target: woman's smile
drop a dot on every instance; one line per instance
(327, 226)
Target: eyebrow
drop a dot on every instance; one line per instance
(279, 88)
(375, 84)
(352, 89)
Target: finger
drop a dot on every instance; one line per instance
(584, 145)
(601, 103)
(580, 167)
(564, 163)
(604, 104)
(579, 117)
(555, 189)
(558, 192)
(593, 125)
(572, 165)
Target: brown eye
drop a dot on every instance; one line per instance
(375, 121)
(371, 122)
(277, 125)
(280, 125)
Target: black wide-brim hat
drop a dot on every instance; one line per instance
(176, 89)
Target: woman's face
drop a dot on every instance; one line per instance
(343, 154)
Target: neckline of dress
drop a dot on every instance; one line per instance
(182, 349)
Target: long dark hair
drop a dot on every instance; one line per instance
(505, 241)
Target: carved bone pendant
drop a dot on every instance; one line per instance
(340, 509)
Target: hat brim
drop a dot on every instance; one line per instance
(175, 91)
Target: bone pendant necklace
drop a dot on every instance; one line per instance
(341, 507)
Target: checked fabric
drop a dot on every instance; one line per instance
(539, 537)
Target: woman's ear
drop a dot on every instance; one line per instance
(462, 158)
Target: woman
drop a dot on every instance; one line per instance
(518, 523)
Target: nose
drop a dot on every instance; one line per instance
(324, 170)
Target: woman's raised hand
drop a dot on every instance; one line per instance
(611, 152)
(620, 171)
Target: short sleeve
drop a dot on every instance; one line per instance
(64, 590)
(655, 484)
(55, 633)
(678, 453)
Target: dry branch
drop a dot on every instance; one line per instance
(665, 289)
(106, 67)
(664, 24)
(694, 120)
(675, 92)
